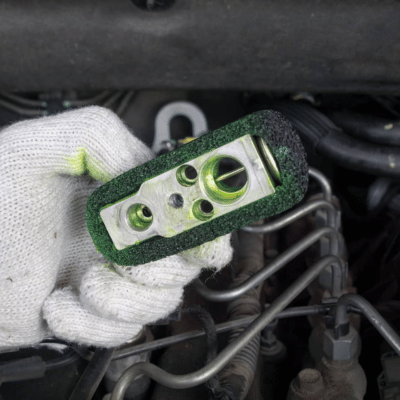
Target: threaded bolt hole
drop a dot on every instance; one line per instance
(176, 200)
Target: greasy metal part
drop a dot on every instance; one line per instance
(270, 345)
(368, 310)
(344, 380)
(330, 380)
(323, 182)
(343, 348)
(181, 358)
(330, 219)
(205, 373)
(168, 113)
(280, 261)
(308, 384)
(137, 390)
(221, 328)
(168, 221)
(294, 215)
(236, 378)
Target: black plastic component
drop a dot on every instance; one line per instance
(337, 46)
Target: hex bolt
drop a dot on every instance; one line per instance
(343, 348)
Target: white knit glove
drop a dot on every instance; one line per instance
(50, 270)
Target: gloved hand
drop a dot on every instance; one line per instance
(52, 279)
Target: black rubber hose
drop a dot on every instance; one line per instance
(370, 128)
(327, 139)
(93, 374)
(211, 341)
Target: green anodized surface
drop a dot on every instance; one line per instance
(214, 185)
(282, 141)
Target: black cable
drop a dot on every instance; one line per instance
(384, 103)
(93, 374)
(368, 127)
(211, 342)
(124, 104)
(30, 112)
(23, 100)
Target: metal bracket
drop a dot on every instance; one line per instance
(168, 112)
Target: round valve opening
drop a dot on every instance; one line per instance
(203, 210)
(224, 179)
(139, 217)
(186, 175)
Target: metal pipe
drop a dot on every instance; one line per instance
(294, 215)
(369, 311)
(323, 182)
(279, 262)
(221, 328)
(205, 373)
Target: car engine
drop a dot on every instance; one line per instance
(309, 307)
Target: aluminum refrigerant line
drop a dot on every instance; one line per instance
(279, 262)
(323, 182)
(293, 216)
(369, 311)
(223, 358)
(221, 328)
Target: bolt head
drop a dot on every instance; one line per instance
(309, 381)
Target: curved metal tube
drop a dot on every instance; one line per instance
(207, 372)
(293, 216)
(323, 182)
(279, 262)
(223, 327)
(368, 310)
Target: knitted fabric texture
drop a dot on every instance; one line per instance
(52, 279)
